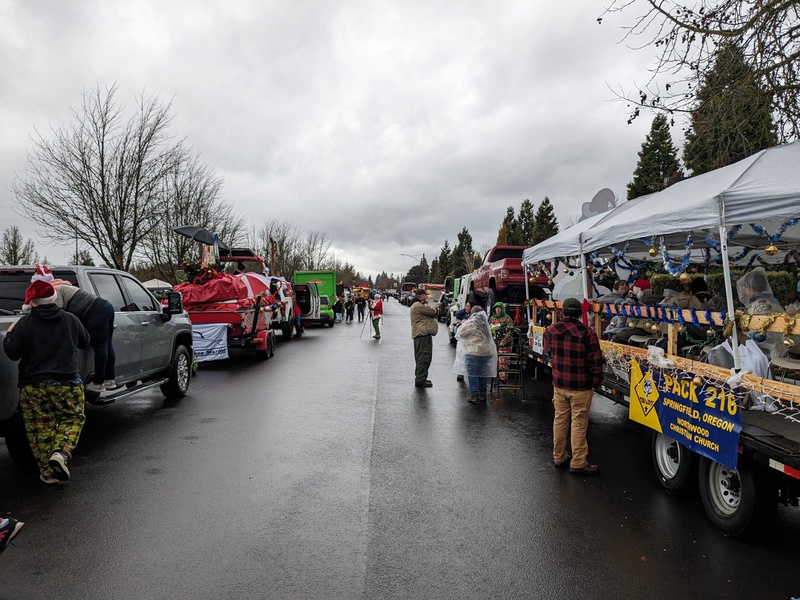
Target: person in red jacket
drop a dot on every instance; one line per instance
(577, 371)
(376, 314)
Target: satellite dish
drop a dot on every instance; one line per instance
(603, 201)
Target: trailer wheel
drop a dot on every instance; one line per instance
(179, 374)
(17, 442)
(673, 463)
(739, 501)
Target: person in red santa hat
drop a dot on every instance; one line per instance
(97, 316)
(46, 341)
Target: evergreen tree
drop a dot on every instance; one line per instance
(527, 222)
(546, 223)
(463, 254)
(511, 228)
(658, 161)
(436, 272)
(731, 118)
(446, 260)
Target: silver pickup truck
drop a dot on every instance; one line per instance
(152, 342)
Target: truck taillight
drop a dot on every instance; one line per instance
(503, 273)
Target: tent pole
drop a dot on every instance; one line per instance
(527, 293)
(726, 267)
(584, 275)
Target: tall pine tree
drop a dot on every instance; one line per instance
(546, 223)
(446, 260)
(509, 229)
(463, 254)
(527, 222)
(731, 119)
(658, 161)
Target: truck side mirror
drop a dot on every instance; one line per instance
(174, 304)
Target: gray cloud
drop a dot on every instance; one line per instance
(389, 125)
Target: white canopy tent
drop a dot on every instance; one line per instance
(564, 243)
(157, 284)
(761, 190)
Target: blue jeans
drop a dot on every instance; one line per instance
(475, 366)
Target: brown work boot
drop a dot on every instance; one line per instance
(586, 469)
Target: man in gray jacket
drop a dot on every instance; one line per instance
(424, 325)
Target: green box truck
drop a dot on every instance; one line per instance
(326, 284)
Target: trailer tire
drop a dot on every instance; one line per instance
(674, 464)
(269, 351)
(17, 442)
(740, 502)
(179, 374)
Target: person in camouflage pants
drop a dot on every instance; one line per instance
(46, 342)
(54, 417)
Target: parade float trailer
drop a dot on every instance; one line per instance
(227, 310)
(226, 314)
(745, 462)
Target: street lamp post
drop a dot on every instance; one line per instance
(421, 262)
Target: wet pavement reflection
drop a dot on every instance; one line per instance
(324, 473)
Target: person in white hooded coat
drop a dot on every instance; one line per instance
(476, 354)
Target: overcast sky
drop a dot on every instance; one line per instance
(389, 125)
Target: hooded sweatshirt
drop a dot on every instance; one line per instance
(46, 342)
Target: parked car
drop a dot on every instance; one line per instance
(152, 342)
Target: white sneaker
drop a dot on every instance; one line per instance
(48, 480)
(110, 384)
(95, 387)
(58, 462)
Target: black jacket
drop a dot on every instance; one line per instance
(46, 342)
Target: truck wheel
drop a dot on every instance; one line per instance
(738, 501)
(180, 371)
(286, 331)
(491, 298)
(17, 442)
(330, 324)
(673, 463)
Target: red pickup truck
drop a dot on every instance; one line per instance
(501, 278)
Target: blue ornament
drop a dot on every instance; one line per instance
(718, 259)
(759, 337)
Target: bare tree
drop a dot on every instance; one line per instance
(686, 36)
(286, 241)
(14, 250)
(314, 250)
(191, 197)
(100, 178)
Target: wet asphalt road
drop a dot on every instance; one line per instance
(323, 473)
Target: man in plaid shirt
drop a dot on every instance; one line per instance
(577, 371)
